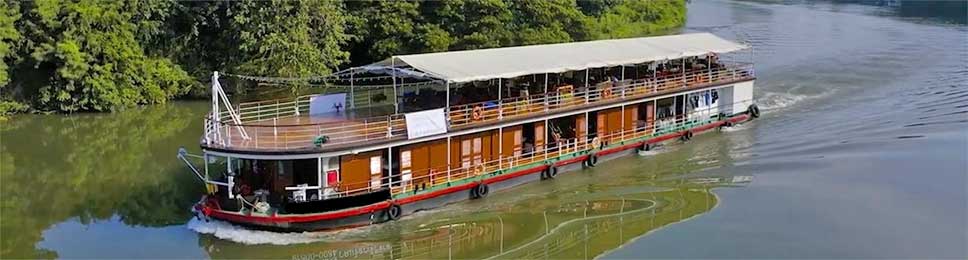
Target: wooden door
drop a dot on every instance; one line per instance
(437, 153)
(416, 159)
(580, 129)
(357, 171)
(614, 123)
(631, 115)
(539, 136)
(601, 128)
(512, 141)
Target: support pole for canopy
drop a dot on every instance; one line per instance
(393, 68)
(500, 147)
(587, 92)
(675, 106)
(320, 181)
(447, 103)
(500, 103)
(584, 139)
(622, 133)
(449, 159)
(655, 115)
(352, 93)
(231, 178)
(752, 71)
(709, 66)
(684, 71)
(390, 166)
(546, 96)
(545, 133)
(624, 88)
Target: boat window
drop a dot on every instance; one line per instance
(305, 171)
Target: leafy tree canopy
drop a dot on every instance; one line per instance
(94, 55)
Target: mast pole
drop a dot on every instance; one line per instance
(215, 113)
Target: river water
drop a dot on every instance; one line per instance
(862, 152)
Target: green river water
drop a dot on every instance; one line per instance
(862, 152)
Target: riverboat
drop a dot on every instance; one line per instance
(415, 132)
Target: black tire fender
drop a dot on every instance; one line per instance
(644, 147)
(482, 190)
(592, 160)
(394, 212)
(686, 136)
(754, 111)
(551, 172)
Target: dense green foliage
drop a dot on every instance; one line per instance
(93, 55)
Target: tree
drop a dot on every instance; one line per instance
(541, 22)
(8, 36)
(384, 28)
(90, 52)
(94, 55)
(638, 18)
(290, 38)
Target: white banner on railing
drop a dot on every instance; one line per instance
(425, 123)
(323, 104)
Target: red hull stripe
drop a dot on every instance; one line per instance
(230, 216)
(435, 194)
(220, 214)
(516, 174)
(572, 160)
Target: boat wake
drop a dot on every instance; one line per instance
(776, 101)
(227, 231)
(658, 149)
(735, 128)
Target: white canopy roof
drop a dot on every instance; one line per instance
(483, 64)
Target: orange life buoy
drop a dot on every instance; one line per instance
(478, 112)
(607, 93)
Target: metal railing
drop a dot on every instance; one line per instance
(269, 127)
(569, 97)
(274, 136)
(547, 153)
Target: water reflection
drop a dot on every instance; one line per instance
(576, 225)
(90, 167)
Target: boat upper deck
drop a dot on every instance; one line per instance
(286, 125)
